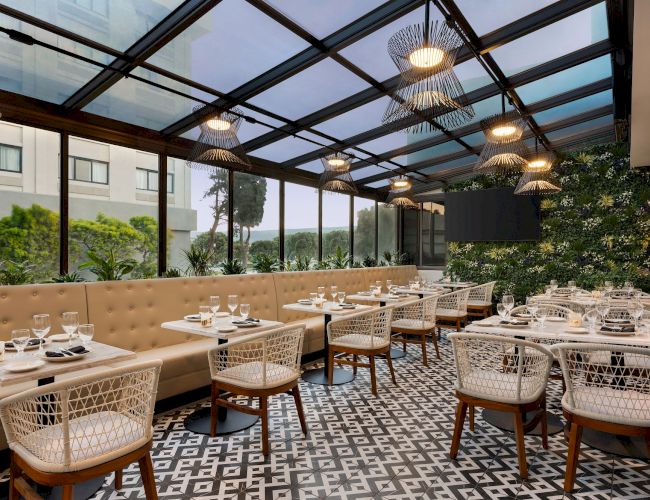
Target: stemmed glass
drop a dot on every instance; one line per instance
(635, 308)
(334, 292)
(86, 333)
(502, 311)
(244, 311)
(341, 298)
(531, 306)
(603, 309)
(572, 286)
(542, 314)
(20, 339)
(592, 316)
(233, 302)
(70, 323)
(378, 285)
(215, 304)
(629, 287)
(609, 286)
(321, 293)
(41, 327)
(389, 285)
(509, 302)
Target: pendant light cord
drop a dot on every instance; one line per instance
(426, 22)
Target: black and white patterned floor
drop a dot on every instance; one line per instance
(359, 446)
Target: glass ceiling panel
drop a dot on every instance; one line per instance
(472, 75)
(566, 80)
(316, 16)
(434, 152)
(314, 166)
(356, 120)
(568, 35)
(139, 103)
(573, 108)
(378, 184)
(115, 23)
(580, 127)
(485, 17)
(364, 172)
(457, 163)
(474, 140)
(288, 148)
(386, 143)
(38, 72)
(487, 107)
(217, 52)
(314, 88)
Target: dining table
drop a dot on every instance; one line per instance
(422, 292)
(555, 331)
(230, 420)
(452, 284)
(327, 310)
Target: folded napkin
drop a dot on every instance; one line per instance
(245, 322)
(618, 328)
(79, 349)
(30, 342)
(349, 306)
(513, 322)
(521, 315)
(365, 293)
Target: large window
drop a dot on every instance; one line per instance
(433, 235)
(410, 225)
(300, 222)
(387, 226)
(256, 217)
(11, 158)
(336, 223)
(87, 170)
(364, 229)
(147, 180)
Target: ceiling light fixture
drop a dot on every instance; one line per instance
(536, 179)
(398, 195)
(429, 89)
(336, 174)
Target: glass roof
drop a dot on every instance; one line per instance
(288, 148)
(573, 108)
(458, 162)
(485, 17)
(355, 120)
(578, 128)
(364, 172)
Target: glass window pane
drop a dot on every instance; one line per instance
(387, 223)
(297, 96)
(386, 143)
(10, 158)
(288, 148)
(460, 163)
(29, 204)
(562, 37)
(433, 235)
(434, 152)
(364, 228)
(83, 170)
(485, 17)
(364, 172)
(356, 120)
(314, 166)
(141, 178)
(256, 217)
(573, 108)
(378, 184)
(115, 221)
(153, 181)
(336, 223)
(237, 35)
(300, 222)
(580, 127)
(170, 183)
(410, 234)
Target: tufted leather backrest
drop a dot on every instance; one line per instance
(18, 303)
(400, 275)
(128, 314)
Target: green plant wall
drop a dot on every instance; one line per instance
(597, 228)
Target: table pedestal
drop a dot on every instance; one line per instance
(319, 375)
(505, 421)
(624, 446)
(228, 421)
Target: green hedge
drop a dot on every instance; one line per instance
(596, 229)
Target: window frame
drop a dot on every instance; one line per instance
(170, 177)
(20, 158)
(73, 177)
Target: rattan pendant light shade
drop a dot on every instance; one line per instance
(398, 195)
(336, 174)
(536, 179)
(218, 145)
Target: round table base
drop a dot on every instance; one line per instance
(319, 376)
(505, 421)
(395, 353)
(81, 490)
(199, 421)
(624, 446)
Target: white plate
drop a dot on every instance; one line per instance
(306, 302)
(246, 325)
(227, 328)
(64, 359)
(27, 348)
(26, 365)
(556, 319)
(194, 318)
(336, 308)
(513, 326)
(60, 337)
(617, 334)
(222, 314)
(576, 329)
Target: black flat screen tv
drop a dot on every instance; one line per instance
(491, 215)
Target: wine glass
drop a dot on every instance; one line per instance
(609, 286)
(215, 304)
(553, 283)
(548, 290)
(70, 323)
(86, 333)
(572, 286)
(531, 306)
(41, 327)
(20, 339)
(334, 292)
(233, 302)
(321, 293)
(629, 287)
(502, 311)
(313, 296)
(378, 285)
(244, 311)
(509, 302)
(603, 308)
(542, 314)
(635, 308)
(341, 298)
(592, 316)
(389, 285)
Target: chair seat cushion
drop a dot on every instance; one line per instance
(450, 313)
(478, 303)
(94, 439)
(358, 341)
(498, 386)
(626, 407)
(412, 324)
(251, 375)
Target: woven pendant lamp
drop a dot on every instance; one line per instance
(336, 174)
(218, 143)
(429, 89)
(536, 179)
(398, 195)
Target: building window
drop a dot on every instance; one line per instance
(97, 6)
(147, 180)
(83, 169)
(11, 158)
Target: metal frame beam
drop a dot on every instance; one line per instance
(619, 21)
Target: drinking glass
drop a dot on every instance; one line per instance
(205, 313)
(313, 297)
(592, 316)
(411, 285)
(572, 286)
(531, 306)
(502, 311)
(548, 290)
(341, 298)
(553, 283)
(509, 302)
(542, 314)
(609, 286)
(20, 338)
(86, 333)
(635, 308)
(215, 304)
(41, 327)
(70, 323)
(629, 287)
(378, 285)
(233, 302)
(389, 285)
(321, 293)
(603, 308)
(244, 311)
(334, 292)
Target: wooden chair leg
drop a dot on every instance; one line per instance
(67, 492)
(521, 445)
(148, 481)
(403, 344)
(544, 425)
(354, 367)
(264, 415)
(471, 417)
(118, 479)
(461, 411)
(575, 437)
(423, 343)
(458, 324)
(435, 344)
(373, 376)
(301, 412)
(330, 366)
(389, 359)
(213, 411)
(14, 474)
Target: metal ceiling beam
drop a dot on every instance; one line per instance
(372, 21)
(619, 22)
(172, 25)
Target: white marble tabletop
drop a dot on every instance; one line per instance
(422, 291)
(213, 331)
(556, 331)
(328, 308)
(100, 354)
(453, 284)
(384, 297)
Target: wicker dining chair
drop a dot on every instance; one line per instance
(361, 334)
(67, 432)
(607, 390)
(479, 300)
(258, 366)
(413, 322)
(452, 308)
(554, 310)
(519, 389)
(572, 305)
